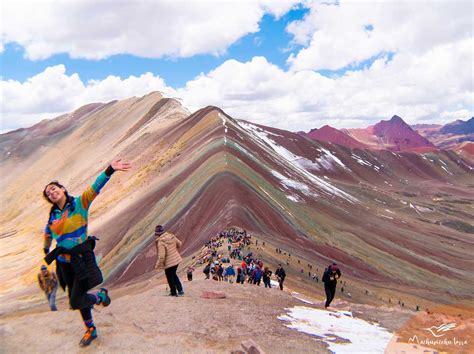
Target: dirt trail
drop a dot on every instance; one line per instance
(153, 322)
(142, 318)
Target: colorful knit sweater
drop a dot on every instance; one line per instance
(69, 226)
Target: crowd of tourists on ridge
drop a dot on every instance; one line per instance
(250, 269)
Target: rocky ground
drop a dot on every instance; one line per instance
(143, 319)
(151, 321)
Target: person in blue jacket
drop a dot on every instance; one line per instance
(230, 273)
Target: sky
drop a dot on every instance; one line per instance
(294, 65)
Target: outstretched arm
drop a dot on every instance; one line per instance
(93, 190)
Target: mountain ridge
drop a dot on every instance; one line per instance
(199, 173)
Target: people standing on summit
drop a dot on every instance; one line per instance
(167, 245)
(330, 276)
(76, 265)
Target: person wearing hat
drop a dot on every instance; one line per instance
(330, 276)
(167, 245)
(48, 282)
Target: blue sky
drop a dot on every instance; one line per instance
(291, 64)
(272, 42)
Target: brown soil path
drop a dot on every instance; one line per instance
(153, 322)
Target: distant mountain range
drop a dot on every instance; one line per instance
(459, 127)
(396, 135)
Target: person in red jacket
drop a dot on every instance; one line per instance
(244, 267)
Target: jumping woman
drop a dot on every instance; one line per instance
(76, 266)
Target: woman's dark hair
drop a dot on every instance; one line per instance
(57, 184)
(69, 199)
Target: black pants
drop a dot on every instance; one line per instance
(280, 282)
(330, 289)
(173, 280)
(79, 299)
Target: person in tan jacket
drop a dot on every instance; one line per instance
(48, 282)
(169, 258)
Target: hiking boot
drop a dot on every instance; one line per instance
(181, 292)
(104, 297)
(175, 295)
(89, 336)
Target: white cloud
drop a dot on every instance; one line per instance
(419, 88)
(454, 115)
(428, 79)
(337, 36)
(53, 92)
(432, 87)
(96, 30)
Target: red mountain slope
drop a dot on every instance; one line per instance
(332, 135)
(393, 134)
(399, 136)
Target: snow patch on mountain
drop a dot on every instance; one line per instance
(294, 161)
(340, 330)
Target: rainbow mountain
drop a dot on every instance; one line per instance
(396, 220)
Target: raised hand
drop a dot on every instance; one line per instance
(118, 165)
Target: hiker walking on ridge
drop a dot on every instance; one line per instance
(267, 273)
(76, 265)
(281, 275)
(330, 276)
(48, 282)
(169, 258)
